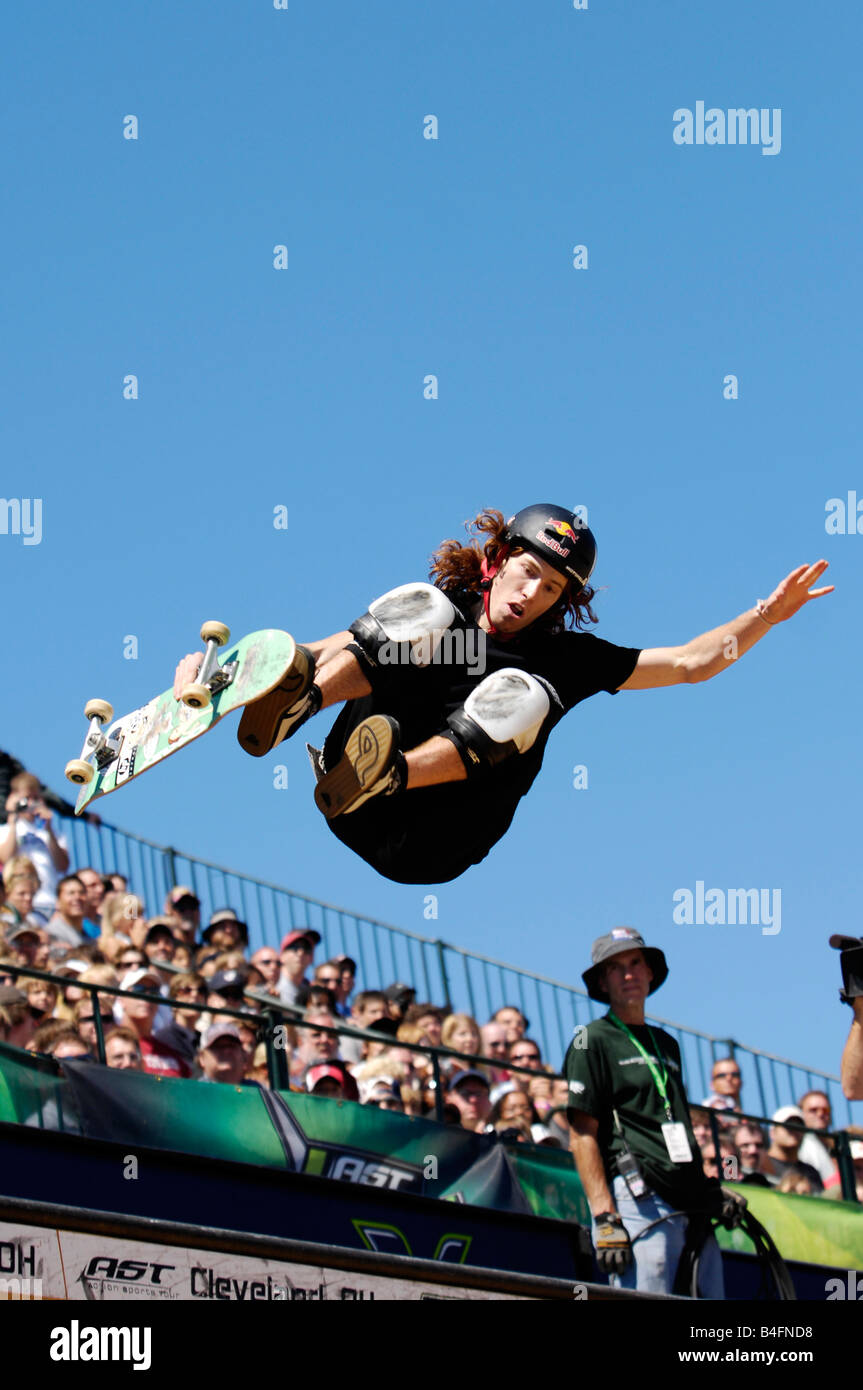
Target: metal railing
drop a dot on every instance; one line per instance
(270, 1020)
(440, 972)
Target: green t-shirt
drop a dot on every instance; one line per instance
(605, 1073)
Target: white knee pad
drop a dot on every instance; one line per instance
(502, 716)
(509, 705)
(417, 615)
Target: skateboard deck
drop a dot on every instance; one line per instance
(163, 726)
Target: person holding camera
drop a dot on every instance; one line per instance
(30, 831)
(851, 961)
(631, 1135)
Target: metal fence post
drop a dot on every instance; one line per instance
(277, 1062)
(441, 947)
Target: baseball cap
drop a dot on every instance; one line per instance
(227, 982)
(135, 977)
(10, 995)
(458, 1077)
(221, 1030)
(333, 1068)
(789, 1112)
(159, 926)
(318, 1071)
(379, 1086)
(23, 930)
(183, 897)
(621, 939)
(400, 993)
(301, 934)
(856, 1147)
(74, 966)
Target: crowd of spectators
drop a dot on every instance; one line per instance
(88, 928)
(788, 1157)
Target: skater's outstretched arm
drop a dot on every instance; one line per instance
(705, 656)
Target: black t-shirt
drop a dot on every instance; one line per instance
(432, 834)
(606, 1073)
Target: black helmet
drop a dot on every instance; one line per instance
(557, 536)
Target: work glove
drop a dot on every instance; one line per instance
(851, 961)
(612, 1244)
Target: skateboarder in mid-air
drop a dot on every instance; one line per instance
(451, 689)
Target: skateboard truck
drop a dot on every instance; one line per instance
(212, 677)
(96, 744)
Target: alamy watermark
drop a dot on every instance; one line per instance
(719, 907)
(844, 516)
(454, 647)
(21, 516)
(736, 126)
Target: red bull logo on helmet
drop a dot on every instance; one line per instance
(562, 528)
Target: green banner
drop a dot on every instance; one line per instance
(815, 1230)
(361, 1144)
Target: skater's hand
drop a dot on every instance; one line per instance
(795, 590)
(187, 672)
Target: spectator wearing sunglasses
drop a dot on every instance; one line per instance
(266, 961)
(494, 1044)
(524, 1052)
(815, 1150)
(726, 1081)
(296, 953)
(182, 1033)
(314, 1045)
(139, 1014)
(85, 1022)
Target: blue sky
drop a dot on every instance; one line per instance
(304, 388)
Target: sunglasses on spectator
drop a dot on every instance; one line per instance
(144, 989)
(524, 1057)
(88, 1018)
(496, 1046)
(726, 1075)
(268, 960)
(329, 980)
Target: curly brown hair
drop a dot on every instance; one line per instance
(455, 566)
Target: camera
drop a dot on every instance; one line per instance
(22, 805)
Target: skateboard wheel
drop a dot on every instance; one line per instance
(98, 709)
(195, 696)
(79, 771)
(215, 632)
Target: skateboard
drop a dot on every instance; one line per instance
(117, 752)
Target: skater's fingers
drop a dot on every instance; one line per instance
(187, 671)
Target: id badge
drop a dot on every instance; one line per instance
(677, 1142)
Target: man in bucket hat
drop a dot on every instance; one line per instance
(631, 1136)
